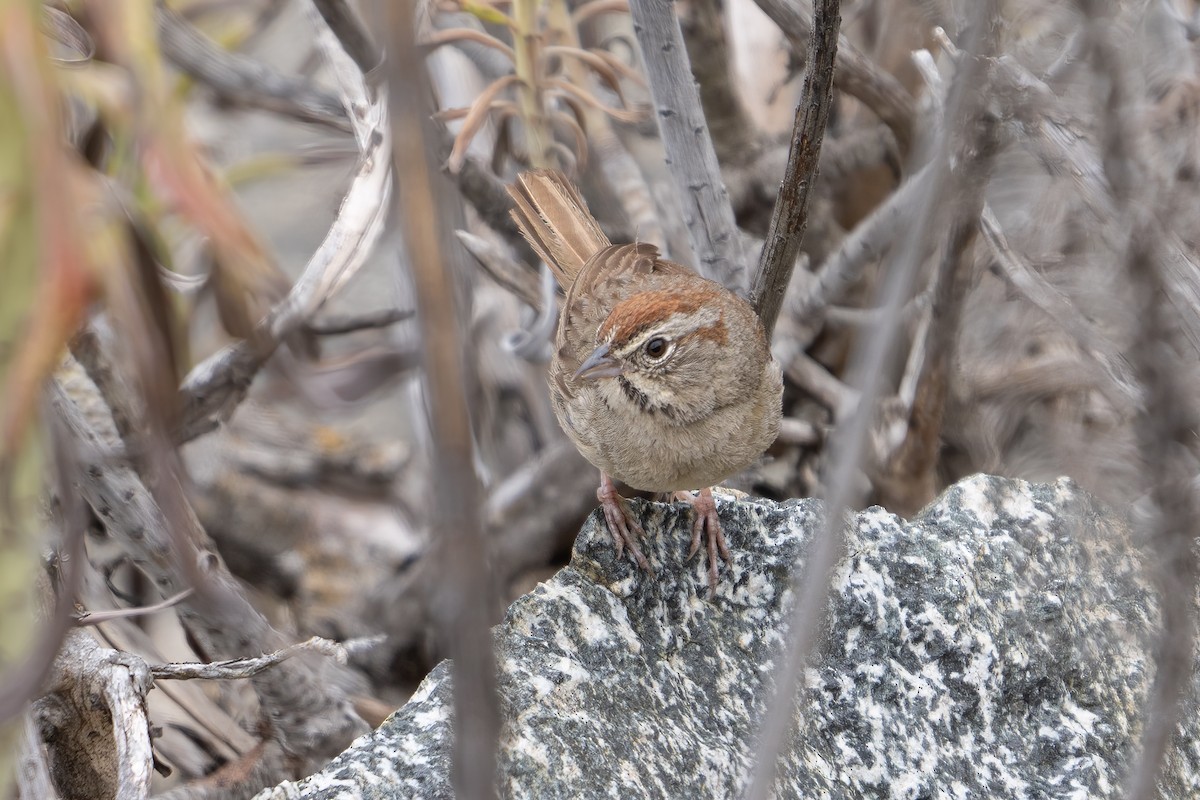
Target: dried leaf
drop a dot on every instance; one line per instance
(576, 110)
(623, 69)
(451, 114)
(562, 88)
(475, 119)
(591, 9)
(576, 130)
(450, 35)
(503, 146)
(74, 45)
(597, 64)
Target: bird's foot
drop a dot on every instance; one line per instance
(706, 524)
(622, 525)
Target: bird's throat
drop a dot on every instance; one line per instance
(643, 401)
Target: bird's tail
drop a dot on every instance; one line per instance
(552, 215)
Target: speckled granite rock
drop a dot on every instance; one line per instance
(997, 646)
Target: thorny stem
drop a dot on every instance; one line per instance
(789, 220)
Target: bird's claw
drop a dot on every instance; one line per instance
(622, 525)
(706, 523)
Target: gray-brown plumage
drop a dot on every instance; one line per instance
(661, 378)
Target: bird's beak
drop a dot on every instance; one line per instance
(599, 365)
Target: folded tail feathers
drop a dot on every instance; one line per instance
(554, 218)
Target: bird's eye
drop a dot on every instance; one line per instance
(656, 347)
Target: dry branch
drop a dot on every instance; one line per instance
(463, 601)
(348, 29)
(241, 668)
(908, 479)
(854, 73)
(1120, 387)
(1166, 429)
(243, 81)
(867, 244)
(310, 714)
(214, 388)
(22, 680)
(789, 220)
(691, 158)
(33, 771)
(847, 446)
(94, 712)
(736, 139)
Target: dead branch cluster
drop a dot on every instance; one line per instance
(971, 226)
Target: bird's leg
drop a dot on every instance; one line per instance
(706, 522)
(622, 524)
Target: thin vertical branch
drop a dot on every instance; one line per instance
(790, 217)
(691, 158)
(1164, 431)
(908, 479)
(462, 599)
(1166, 428)
(811, 585)
(847, 445)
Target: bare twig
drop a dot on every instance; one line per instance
(158, 530)
(349, 30)
(629, 186)
(869, 317)
(854, 74)
(1165, 433)
(867, 244)
(503, 269)
(22, 680)
(859, 149)
(463, 599)
(337, 324)
(790, 217)
(214, 388)
(1064, 151)
(1122, 389)
(527, 513)
(244, 81)
(485, 192)
(312, 718)
(85, 618)
(87, 350)
(798, 432)
(908, 476)
(1166, 430)
(532, 513)
(822, 385)
(690, 155)
(864, 246)
(241, 668)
